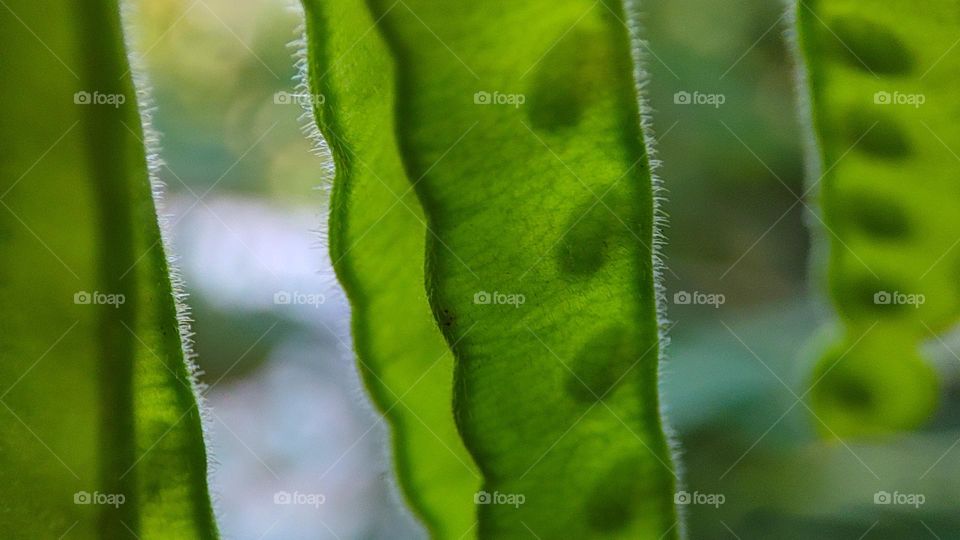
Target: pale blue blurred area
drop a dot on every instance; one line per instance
(287, 412)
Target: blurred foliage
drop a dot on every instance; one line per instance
(217, 68)
(882, 92)
(732, 391)
(739, 164)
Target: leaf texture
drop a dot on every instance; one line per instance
(102, 432)
(518, 127)
(377, 234)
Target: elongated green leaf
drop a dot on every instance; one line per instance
(101, 430)
(376, 236)
(882, 95)
(519, 129)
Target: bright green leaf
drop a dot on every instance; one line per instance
(881, 91)
(518, 126)
(376, 237)
(101, 428)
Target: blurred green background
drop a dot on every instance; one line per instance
(288, 414)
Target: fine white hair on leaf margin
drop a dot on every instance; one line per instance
(308, 119)
(813, 158)
(319, 146)
(151, 141)
(641, 79)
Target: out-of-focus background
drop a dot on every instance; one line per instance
(287, 411)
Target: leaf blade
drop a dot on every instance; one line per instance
(79, 226)
(492, 222)
(884, 199)
(375, 218)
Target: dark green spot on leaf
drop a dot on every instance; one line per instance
(601, 364)
(594, 228)
(876, 134)
(866, 45)
(566, 79)
(874, 215)
(613, 502)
